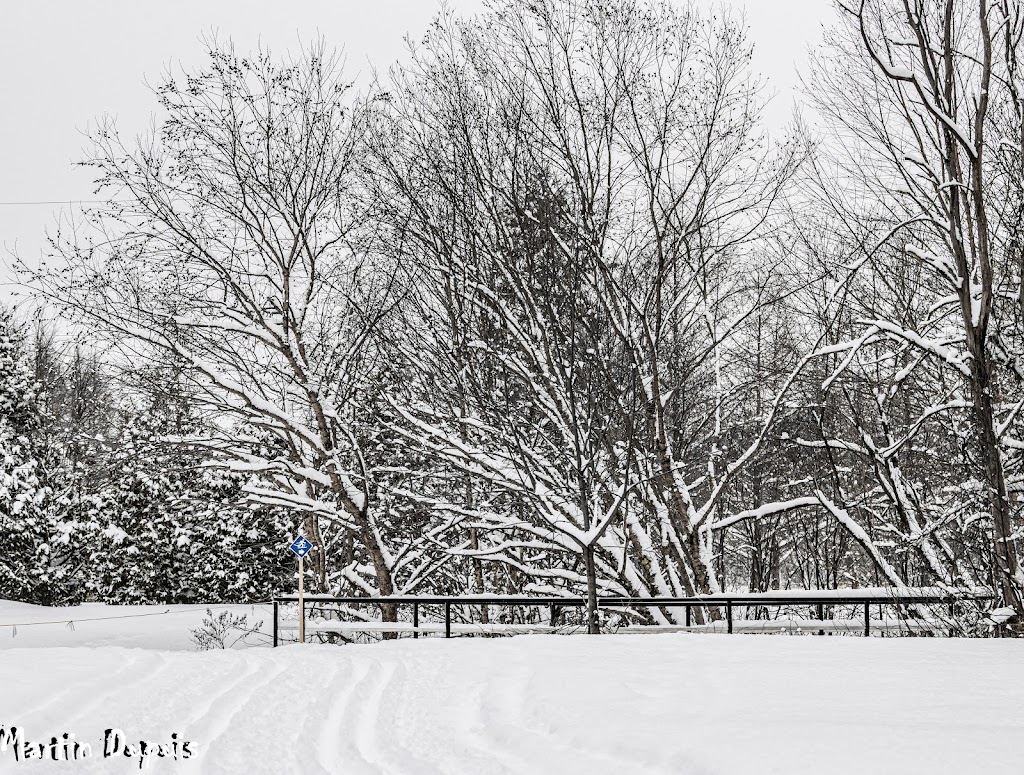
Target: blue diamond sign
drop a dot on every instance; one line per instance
(301, 546)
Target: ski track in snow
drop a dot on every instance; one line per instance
(680, 704)
(331, 746)
(228, 704)
(81, 696)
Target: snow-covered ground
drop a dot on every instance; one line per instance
(673, 703)
(165, 627)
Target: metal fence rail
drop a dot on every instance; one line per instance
(728, 601)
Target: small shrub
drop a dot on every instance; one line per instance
(223, 631)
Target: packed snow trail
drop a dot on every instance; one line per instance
(536, 704)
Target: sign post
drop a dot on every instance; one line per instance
(301, 547)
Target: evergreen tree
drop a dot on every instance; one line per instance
(169, 529)
(33, 537)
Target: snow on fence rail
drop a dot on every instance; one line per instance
(866, 597)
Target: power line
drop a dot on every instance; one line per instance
(57, 202)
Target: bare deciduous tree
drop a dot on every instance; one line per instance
(587, 188)
(234, 241)
(926, 94)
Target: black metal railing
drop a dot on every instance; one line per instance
(728, 601)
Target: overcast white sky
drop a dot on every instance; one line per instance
(65, 62)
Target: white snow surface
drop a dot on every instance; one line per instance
(167, 627)
(673, 703)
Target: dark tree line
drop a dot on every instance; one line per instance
(93, 506)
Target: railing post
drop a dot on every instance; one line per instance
(867, 619)
(415, 620)
(447, 619)
(728, 615)
(551, 614)
(687, 615)
(275, 624)
(821, 617)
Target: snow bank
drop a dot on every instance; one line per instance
(671, 703)
(165, 627)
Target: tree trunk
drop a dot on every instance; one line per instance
(702, 581)
(478, 573)
(317, 559)
(1005, 561)
(588, 559)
